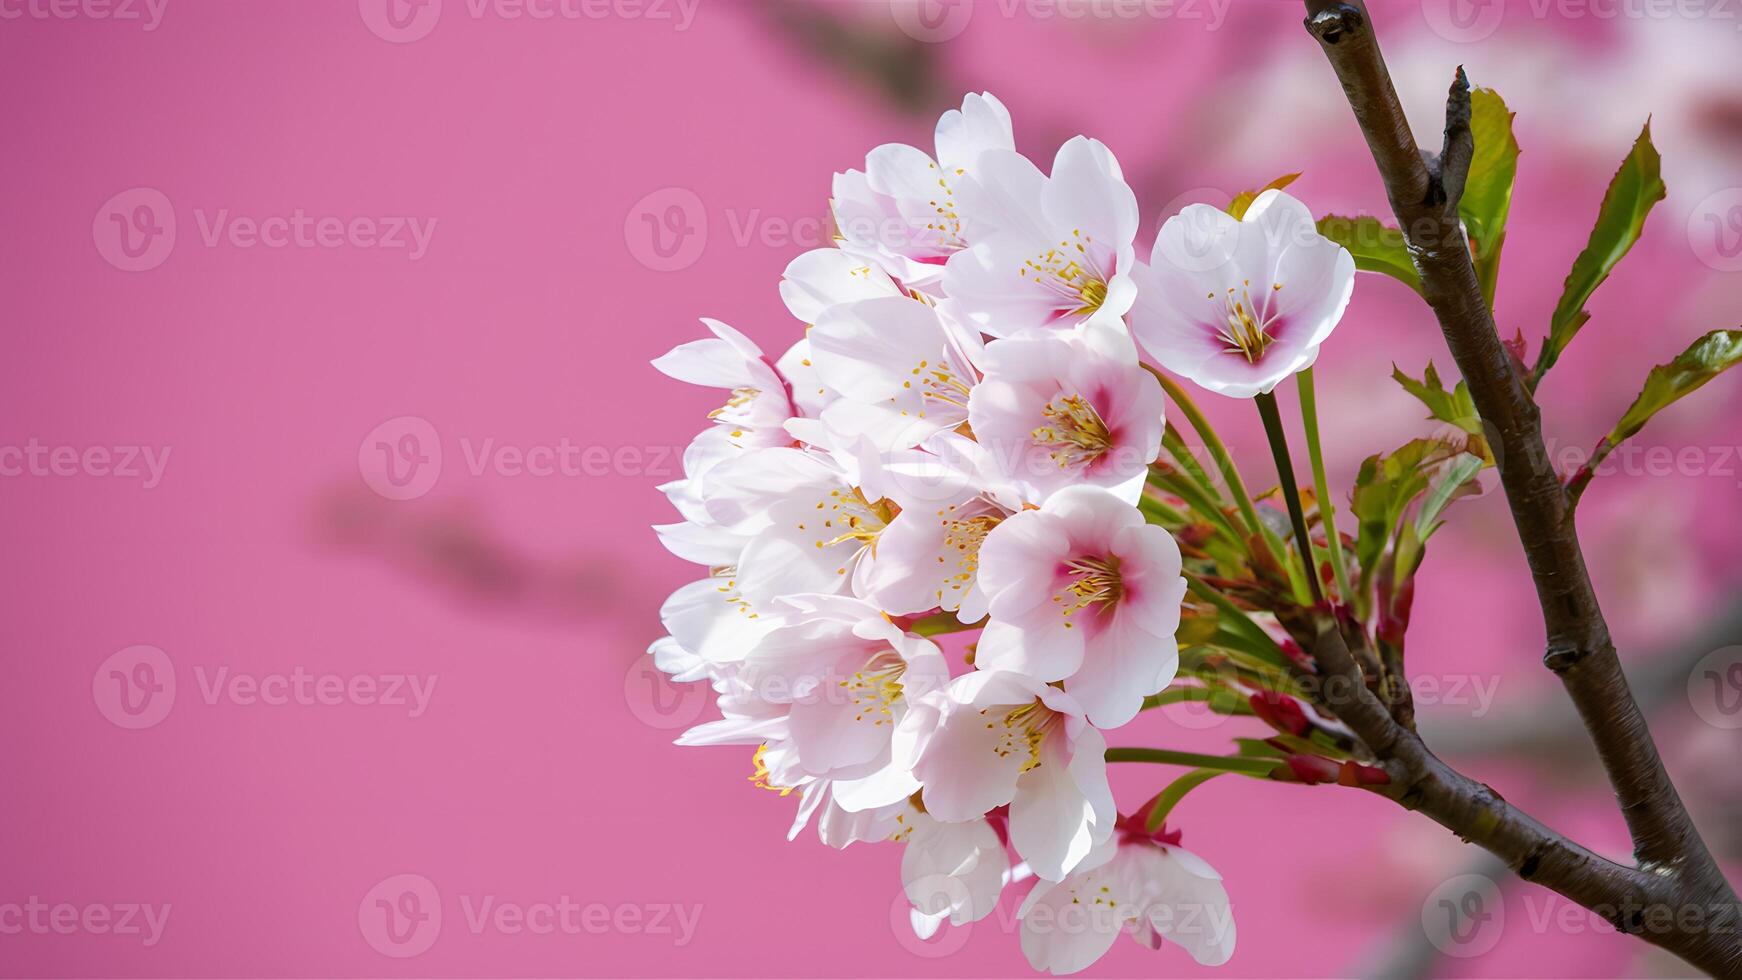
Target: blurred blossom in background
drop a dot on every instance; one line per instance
(328, 447)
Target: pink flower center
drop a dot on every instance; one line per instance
(1093, 582)
(1248, 328)
(1075, 433)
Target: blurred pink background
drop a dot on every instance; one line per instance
(379, 442)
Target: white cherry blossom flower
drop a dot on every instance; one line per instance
(902, 212)
(952, 872)
(1238, 305)
(808, 526)
(929, 555)
(1135, 882)
(1059, 250)
(904, 365)
(755, 414)
(1085, 592)
(825, 277)
(1057, 410)
(845, 675)
(993, 738)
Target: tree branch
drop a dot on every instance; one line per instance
(1579, 649)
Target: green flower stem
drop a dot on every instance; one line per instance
(1160, 513)
(1186, 462)
(1290, 492)
(1199, 501)
(1222, 763)
(1219, 452)
(1309, 411)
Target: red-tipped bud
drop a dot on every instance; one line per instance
(1280, 712)
(1292, 651)
(1309, 769)
(1195, 535)
(1356, 774)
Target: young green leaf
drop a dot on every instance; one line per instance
(1387, 486)
(1375, 246)
(1454, 407)
(1457, 481)
(1709, 357)
(1488, 190)
(1637, 186)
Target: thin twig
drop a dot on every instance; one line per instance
(1673, 860)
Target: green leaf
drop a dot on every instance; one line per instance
(1488, 190)
(1175, 791)
(1454, 407)
(1709, 357)
(1375, 246)
(1455, 482)
(1388, 486)
(1636, 187)
(1243, 200)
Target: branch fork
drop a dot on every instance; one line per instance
(1673, 871)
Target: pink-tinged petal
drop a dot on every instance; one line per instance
(670, 657)
(1002, 196)
(1087, 191)
(1127, 665)
(981, 124)
(773, 565)
(1190, 907)
(1088, 768)
(832, 734)
(885, 787)
(712, 620)
(1046, 651)
(700, 543)
(903, 575)
(1018, 561)
(1091, 517)
(711, 363)
(1150, 565)
(870, 350)
(954, 869)
(733, 731)
(1051, 823)
(966, 764)
(1074, 923)
(825, 277)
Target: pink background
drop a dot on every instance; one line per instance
(542, 766)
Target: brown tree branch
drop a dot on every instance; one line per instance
(1674, 864)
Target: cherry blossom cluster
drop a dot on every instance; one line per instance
(958, 445)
